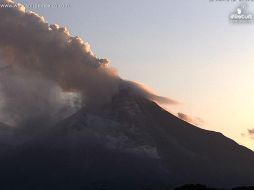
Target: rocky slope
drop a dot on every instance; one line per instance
(131, 143)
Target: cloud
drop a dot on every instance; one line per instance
(30, 43)
(193, 120)
(40, 62)
(141, 89)
(250, 133)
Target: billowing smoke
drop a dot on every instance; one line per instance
(42, 64)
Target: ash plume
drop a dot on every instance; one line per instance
(40, 63)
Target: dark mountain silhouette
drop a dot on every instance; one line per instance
(203, 187)
(130, 143)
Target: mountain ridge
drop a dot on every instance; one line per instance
(129, 143)
(136, 116)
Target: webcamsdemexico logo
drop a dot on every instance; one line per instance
(241, 14)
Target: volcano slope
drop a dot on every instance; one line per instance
(130, 143)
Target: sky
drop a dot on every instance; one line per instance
(186, 50)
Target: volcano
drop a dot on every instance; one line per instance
(129, 143)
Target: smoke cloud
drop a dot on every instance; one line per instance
(42, 64)
(190, 119)
(250, 133)
(145, 91)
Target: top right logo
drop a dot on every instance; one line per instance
(241, 15)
